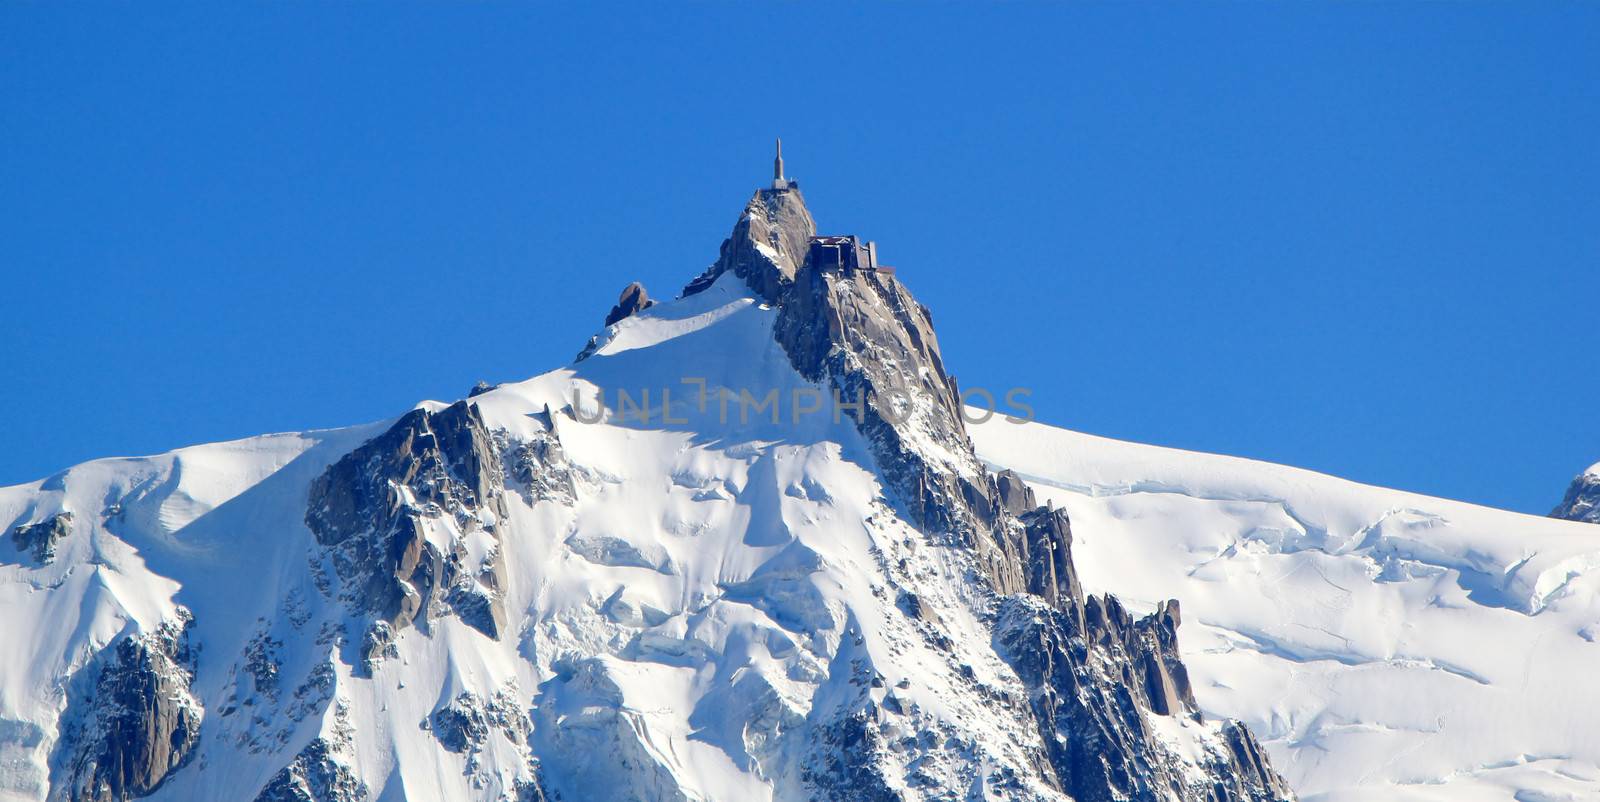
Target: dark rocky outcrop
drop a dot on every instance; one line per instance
(135, 724)
(1096, 674)
(315, 775)
(40, 539)
(1094, 732)
(1582, 502)
(633, 299)
(1039, 540)
(852, 771)
(848, 749)
(372, 509)
(1244, 771)
(466, 724)
(1013, 493)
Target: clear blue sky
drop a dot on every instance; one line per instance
(1362, 239)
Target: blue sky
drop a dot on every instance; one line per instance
(1360, 238)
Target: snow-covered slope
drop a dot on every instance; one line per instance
(1384, 645)
(529, 595)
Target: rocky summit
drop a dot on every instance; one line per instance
(742, 549)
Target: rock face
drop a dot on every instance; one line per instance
(1096, 691)
(1582, 502)
(864, 334)
(135, 724)
(768, 245)
(40, 539)
(374, 509)
(1046, 556)
(633, 299)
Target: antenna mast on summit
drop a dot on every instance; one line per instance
(778, 181)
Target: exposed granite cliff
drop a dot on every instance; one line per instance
(768, 245)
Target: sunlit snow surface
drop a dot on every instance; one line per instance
(1385, 645)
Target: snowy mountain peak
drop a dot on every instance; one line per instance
(614, 581)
